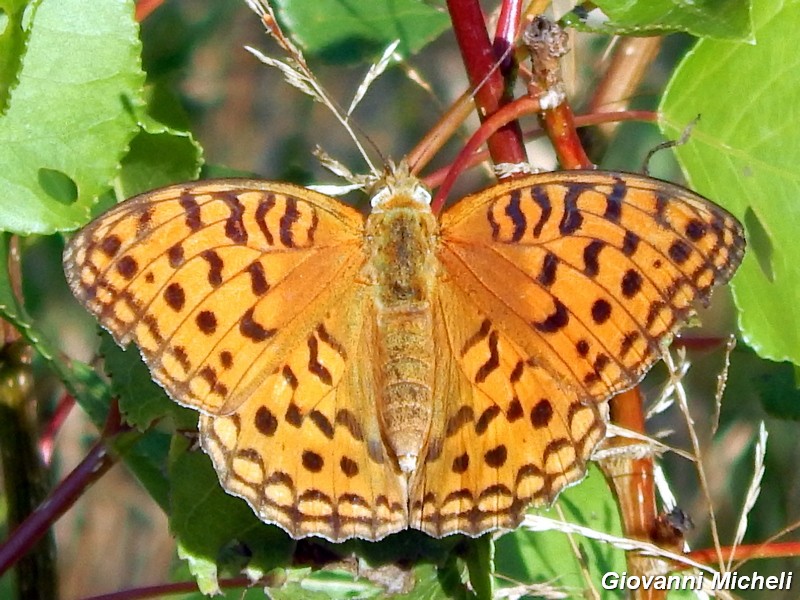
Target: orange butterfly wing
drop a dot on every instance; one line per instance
(243, 297)
(208, 279)
(558, 290)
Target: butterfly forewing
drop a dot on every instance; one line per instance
(590, 273)
(209, 279)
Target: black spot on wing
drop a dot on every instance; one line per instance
(174, 296)
(258, 278)
(127, 267)
(557, 320)
(266, 204)
(601, 311)
(316, 367)
(547, 275)
(514, 212)
(572, 219)
(215, 266)
(631, 283)
(543, 200)
(286, 225)
(614, 200)
(630, 243)
(253, 330)
(175, 255)
(591, 264)
(110, 245)
(483, 331)
(234, 225)
(192, 210)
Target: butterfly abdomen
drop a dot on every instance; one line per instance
(402, 272)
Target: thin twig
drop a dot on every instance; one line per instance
(683, 404)
(38, 523)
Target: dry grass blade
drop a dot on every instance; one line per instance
(374, 72)
(666, 398)
(547, 590)
(753, 490)
(722, 380)
(297, 72)
(668, 500)
(539, 523)
(590, 591)
(649, 446)
(683, 404)
(292, 73)
(356, 182)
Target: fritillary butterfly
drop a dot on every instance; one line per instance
(357, 377)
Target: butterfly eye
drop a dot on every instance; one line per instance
(416, 191)
(421, 195)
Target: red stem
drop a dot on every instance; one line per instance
(53, 426)
(507, 114)
(506, 32)
(560, 125)
(505, 145)
(91, 468)
(440, 175)
(748, 551)
(167, 589)
(145, 7)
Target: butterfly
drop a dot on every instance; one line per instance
(357, 376)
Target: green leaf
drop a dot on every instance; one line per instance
(69, 119)
(720, 19)
(141, 400)
(164, 151)
(324, 585)
(479, 557)
(348, 31)
(548, 557)
(744, 155)
(216, 531)
(773, 385)
(146, 456)
(13, 36)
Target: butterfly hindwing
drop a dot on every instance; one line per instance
(505, 432)
(306, 450)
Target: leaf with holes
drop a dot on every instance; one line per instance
(69, 118)
(743, 153)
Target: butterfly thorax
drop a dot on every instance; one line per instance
(402, 269)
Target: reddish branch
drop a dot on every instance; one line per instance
(480, 62)
(145, 7)
(91, 468)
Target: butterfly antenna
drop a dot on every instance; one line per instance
(685, 135)
(496, 65)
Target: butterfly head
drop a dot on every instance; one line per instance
(399, 187)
